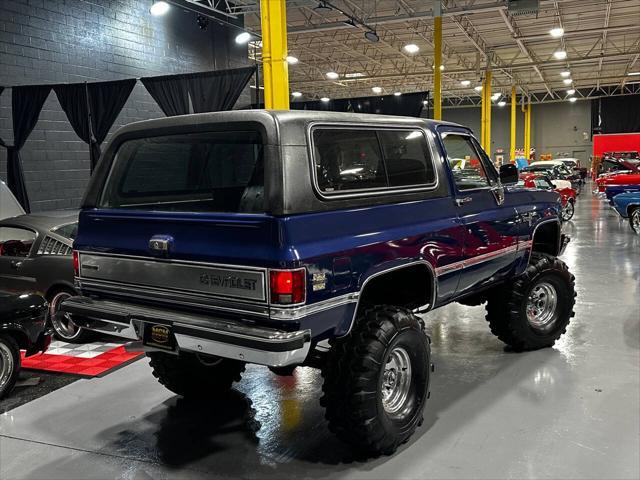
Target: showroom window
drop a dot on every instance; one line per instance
(212, 172)
(349, 160)
(16, 242)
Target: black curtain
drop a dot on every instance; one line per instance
(407, 104)
(170, 93)
(92, 108)
(26, 104)
(619, 114)
(209, 91)
(217, 91)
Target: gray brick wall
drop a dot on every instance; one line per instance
(51, 41)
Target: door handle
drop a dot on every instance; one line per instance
(463, 200)
(15, 264)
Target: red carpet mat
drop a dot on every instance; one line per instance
(88, 359)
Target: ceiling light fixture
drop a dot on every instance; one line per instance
(322, 7)
(325, 99)
(376, 89)
(354, 75)
(159, 8)
(496, 96)
(556, 32)
(465, 83)
(567, 81)
(425, 102)
(633, 74)
(411, 48)
(332, 75)
(292, 60)
(397, 94)
(243, 38)
(571, 91)
(572, 99)
(296, 94)
(560, 54)
(372, 36)
(502, 103)
(565, 73)
(478, 88)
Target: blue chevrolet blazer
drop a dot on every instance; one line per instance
(288, 238)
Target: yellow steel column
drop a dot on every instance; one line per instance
(483, 107)
(273, 14)
(512, 150)
(487, 114)
(527, 151)
(437, 60)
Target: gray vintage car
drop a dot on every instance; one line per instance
(35, 256)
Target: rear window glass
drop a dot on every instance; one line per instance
(203, 172)
(67, 231)
(351, 160)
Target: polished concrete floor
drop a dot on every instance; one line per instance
(572, 411)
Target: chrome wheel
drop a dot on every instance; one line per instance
(567, 211)
(61, 322)
(635, 221)
(542, 306)
(7, 366)
(396, 380)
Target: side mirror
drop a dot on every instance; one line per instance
(508, 174)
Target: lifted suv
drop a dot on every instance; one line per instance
(312, 238)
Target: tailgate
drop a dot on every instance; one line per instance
(206, 254)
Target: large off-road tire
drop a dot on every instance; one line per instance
(192, 375)
(9, 364)
(376, 380)
(63, 327)
(634, 220)
(534, 310)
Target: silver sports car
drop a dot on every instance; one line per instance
(35, 256)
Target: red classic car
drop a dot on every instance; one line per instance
(567, 195)
(620, 179)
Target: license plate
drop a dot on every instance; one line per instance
(159, 336)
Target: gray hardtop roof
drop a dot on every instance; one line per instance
(274, 119)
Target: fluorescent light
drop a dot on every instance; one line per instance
(560, 54)
(502, 103)
(633, 74)
(572, 99)
(411, 48)
(424, 102)
(556, 32)
(354, 75)
(397, 94)
(325, 99)
(243, 37)
(478, 88)
(496, 96)
(159, 8)
(567, 81)
(571, 91)
(296, 94)
(465, 83)
(332, 75)
(376, 89)
(291, 60)
(565, 73)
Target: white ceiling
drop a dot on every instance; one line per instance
(602, 41)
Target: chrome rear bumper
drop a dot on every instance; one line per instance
(194, 333)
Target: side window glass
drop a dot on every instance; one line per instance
(348, 160)
(16, 242)
(406, 157)
(466, 166)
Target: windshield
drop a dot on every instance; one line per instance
(197, 172)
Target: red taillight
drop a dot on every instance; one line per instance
(288, 286)
(76, 264)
